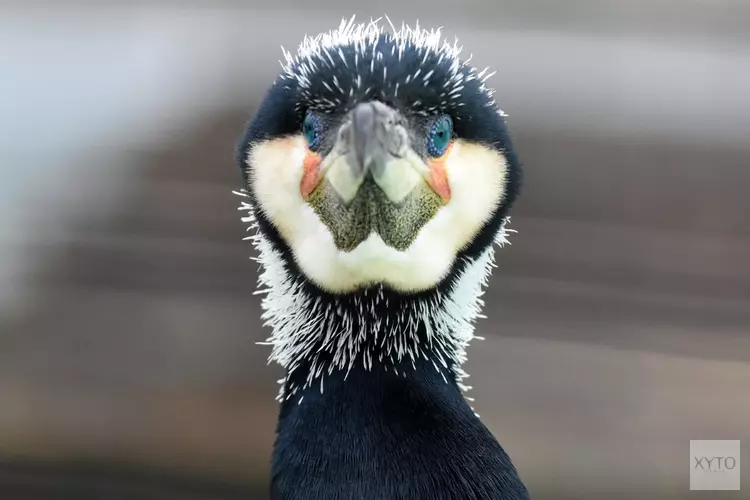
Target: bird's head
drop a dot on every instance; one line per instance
(378, 158)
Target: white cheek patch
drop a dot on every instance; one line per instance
(275, 175)
(476, 175)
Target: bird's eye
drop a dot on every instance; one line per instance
(312, 130)
(441, 133)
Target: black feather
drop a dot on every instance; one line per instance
(382, 436)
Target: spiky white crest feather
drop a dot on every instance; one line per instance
(325, 49)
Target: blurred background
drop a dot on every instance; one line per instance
(619, 319)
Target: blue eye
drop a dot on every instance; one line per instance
(312, 129)
(441, 133)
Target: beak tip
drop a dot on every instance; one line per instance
(362, 135)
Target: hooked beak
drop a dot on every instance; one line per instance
(373, 143)
(375, 138)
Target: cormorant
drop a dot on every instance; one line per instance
(378, 172)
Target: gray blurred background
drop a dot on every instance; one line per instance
(619, 319)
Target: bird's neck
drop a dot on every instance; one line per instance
(316, 334)
(375, 434)
(373, 337)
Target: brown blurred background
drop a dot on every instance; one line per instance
(619, 319)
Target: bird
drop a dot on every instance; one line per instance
(377, 178)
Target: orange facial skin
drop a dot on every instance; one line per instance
(438, 179)
(310, 173)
